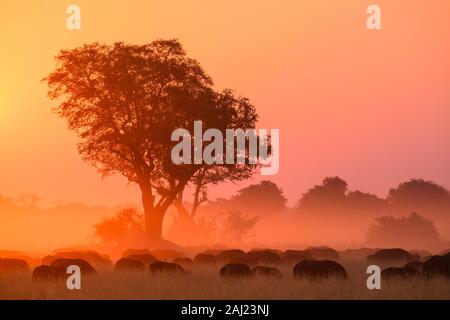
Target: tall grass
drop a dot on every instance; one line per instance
(204, 283)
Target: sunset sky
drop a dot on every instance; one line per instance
(370, 106)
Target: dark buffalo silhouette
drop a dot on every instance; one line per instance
(166, 267)
(421, 253)
(203, 258)
(11, 254)
(126, 264)
(416, 265)
(234, 270)
(49, 273)
(130, 252)
(184, 262)
(314, 269)
(262, 258)
(166, 254)
(84, 266)
(437, 266)
(264, 271)
(213, 252)
(228, 255)
(323, 253)
(10, 265)
(96, 260)
(295, 256)
(394, 257)
(399, 273)
(146, 259)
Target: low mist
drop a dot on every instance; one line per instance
(257, 216)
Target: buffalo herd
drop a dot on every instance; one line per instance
(48, 273)
(311, 263)
(319, 269)
(394, 256)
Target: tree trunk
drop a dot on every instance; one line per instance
(153, 216)
(154, 213)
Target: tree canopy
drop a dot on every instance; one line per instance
(124, 101)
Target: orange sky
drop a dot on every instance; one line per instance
(370, 106)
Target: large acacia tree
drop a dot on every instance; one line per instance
(124, 101)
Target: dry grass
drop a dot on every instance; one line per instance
(204, 283)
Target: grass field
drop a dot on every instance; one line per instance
(204, 283)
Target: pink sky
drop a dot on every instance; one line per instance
(370, 106)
